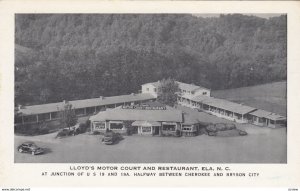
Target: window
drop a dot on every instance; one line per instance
(119, 104)
(168, 127)
(187, 128)
(146, 129)
(29, 118)
(44, 116)
(99, 125)
(261, 120)
(272, 122)
(54, 115)
(90, 110)
(18, 119)
(205, 107)
(147, 89)
(154, 89)
(100, 108)
(79, 111)
(204, 93)
(110, 106)
(116, 126)
(254, 118)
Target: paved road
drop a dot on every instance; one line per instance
(262, 145)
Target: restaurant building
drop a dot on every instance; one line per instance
(151, 118)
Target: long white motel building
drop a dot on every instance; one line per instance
(198, 97)
(86, 107)
(117, 109)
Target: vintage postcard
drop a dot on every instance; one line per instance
(149, 94)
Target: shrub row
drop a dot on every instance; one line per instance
(220, 127)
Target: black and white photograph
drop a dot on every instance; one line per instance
(150, 88)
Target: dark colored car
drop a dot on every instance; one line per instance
(30, 147)
(111, 138)
(65, 132)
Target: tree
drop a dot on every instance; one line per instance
(168, 91)
(68, 117)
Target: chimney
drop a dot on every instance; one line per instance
(132, 94)
(65, 102)
(101, 97)
(20, 107)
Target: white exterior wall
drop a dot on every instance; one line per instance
(149, 88)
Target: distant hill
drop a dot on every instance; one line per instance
(271, 96)
(78, 56)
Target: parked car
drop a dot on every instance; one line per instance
(65, 132)
(30, 147)
(111, 138)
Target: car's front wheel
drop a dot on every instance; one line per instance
(32, 153)
(20, 150)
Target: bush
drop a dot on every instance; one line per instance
(211, 128)
(33, 129)
(66, 132)
(242, 133)
(203, 131)
(230, 126)
(212, 134)
(96, 133)
(178, 133)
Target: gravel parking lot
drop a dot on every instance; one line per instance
(262, 145)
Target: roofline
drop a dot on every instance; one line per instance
(41, 105)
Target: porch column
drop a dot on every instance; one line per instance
(85, 111)
(50, 116)
(160, 129)
(37, 118)
(22, 119)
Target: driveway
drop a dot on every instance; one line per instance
(261, 145)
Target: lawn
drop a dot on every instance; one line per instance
(271, 97)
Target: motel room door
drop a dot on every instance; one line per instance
(155, 130)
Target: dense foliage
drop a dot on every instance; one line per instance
(68, 56)
(167, 92)
(67, 116)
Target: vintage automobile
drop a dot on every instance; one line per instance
(111, 138)
(30, 147)
(72, 131)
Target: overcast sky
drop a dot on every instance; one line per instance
(263, 15)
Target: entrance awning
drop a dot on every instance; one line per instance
(146, 123)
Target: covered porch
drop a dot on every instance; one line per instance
(147, 127)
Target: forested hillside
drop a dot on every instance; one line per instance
(71, 56)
